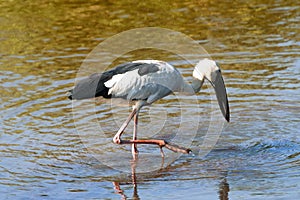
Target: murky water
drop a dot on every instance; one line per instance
(257, 155)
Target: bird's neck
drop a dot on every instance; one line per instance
(194, 87)
(197, 84)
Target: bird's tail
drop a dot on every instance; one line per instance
(90, 87)
(70, 94)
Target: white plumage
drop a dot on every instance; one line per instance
(149, 87)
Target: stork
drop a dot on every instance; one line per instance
(146, 81)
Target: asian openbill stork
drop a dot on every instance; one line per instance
(146, 81)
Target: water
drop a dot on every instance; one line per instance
(43, 157)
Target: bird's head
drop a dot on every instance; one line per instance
(209, 70)
(206, 69)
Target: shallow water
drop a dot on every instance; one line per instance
(44, 156)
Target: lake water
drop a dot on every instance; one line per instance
(45, 156)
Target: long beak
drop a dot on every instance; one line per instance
(221, 94)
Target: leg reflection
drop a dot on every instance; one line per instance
(118, 189)
(135, 195)
(224, 189)
(133, 165)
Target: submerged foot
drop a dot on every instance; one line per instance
(134, 151)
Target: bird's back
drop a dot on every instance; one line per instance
(147, 80)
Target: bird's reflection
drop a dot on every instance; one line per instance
(118, 189)
(223, 185)
(223, 189)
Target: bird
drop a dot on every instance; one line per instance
(145, 81)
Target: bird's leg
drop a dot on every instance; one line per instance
(117, 137)
(161, 152)
(135, 141)
(134, 137)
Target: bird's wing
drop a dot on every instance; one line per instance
(99, 84)
(150, 81)
(149, 92)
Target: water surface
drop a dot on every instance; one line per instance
(257, 155)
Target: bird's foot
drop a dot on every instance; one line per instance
(177, 148)
(162, 152)
(160, 143)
